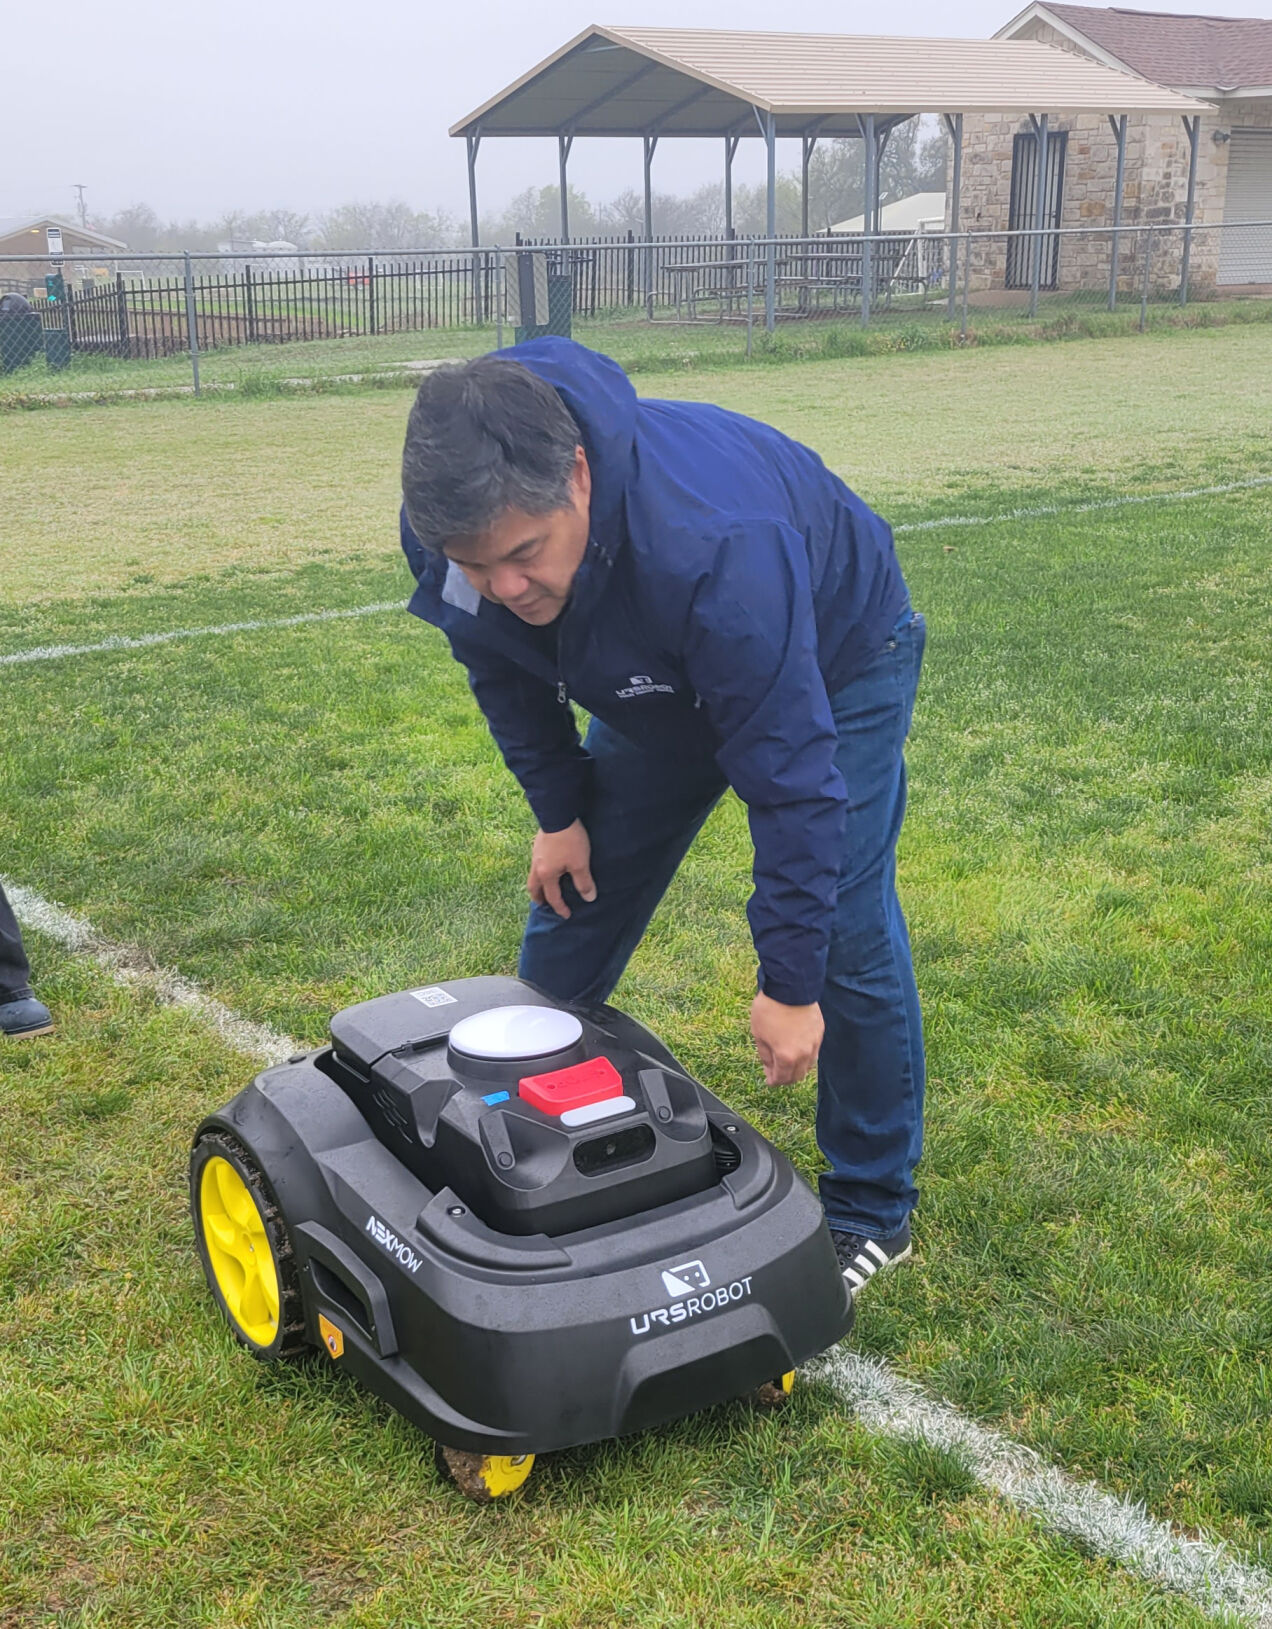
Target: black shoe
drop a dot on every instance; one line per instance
(18, 1019)
(861, 1258)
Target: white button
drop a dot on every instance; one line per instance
(592, 1112)
(515, 1032)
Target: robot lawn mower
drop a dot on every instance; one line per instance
(524, 1227)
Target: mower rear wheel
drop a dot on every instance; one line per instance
(244, 1246)
(774, 1393)
(482, 1477)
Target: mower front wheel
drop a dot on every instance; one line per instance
(245, 1249)
(775, 1393)
(482, 1477)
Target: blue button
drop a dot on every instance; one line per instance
(496, 1097)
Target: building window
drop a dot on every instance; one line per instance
(1022, 215)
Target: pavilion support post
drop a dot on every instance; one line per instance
(870, 214)
(1040, 214)
(1119, 187)
(651, 143)
(881, 148)
(564, 144)
(769, 125)
(955, 127)
(1193, 126)
(730, 148)
(480, 303)
(807, 144)
(474, 142)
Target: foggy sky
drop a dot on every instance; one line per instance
(256, 104)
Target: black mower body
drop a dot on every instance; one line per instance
(513, 1285)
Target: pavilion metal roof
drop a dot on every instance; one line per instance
(707, 82)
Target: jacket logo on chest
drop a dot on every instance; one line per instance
(643, 685)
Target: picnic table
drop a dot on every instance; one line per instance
(836, 267)
(718, 279)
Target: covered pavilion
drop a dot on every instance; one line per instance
(724, 84)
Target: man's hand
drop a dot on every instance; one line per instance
(557, 854)
(787, 1039)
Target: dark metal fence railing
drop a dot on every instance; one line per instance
(245, 304)
(147, 307)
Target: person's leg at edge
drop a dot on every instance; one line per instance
(643, 814)
(20, 1013)
(871, 1069)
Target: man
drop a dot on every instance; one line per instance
(21, 1015)
(731, 615)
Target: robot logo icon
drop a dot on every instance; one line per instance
(683, 1280)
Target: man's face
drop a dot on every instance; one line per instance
(528, 562)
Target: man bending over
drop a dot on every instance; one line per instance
(730, 614)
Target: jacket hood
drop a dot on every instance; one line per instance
(600, 396)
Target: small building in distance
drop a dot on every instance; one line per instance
(82, 250)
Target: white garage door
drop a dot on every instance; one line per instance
(1245, 255)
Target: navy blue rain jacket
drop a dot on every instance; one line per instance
(730, 585)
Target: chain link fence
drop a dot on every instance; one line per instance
(268, 322)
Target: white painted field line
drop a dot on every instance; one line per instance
(131, 966)
(1038, 511)
(1201, 1569)
(47, 653)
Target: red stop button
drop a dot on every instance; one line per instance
(572, 1088)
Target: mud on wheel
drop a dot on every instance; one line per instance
(774, 1393)
(482, 1477)
(245, 1249)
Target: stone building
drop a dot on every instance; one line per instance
(1226, 62)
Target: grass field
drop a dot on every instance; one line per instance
(298, 818)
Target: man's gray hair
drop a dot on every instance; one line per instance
(484, 437)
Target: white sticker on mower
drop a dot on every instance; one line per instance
(685, 1279)
(434, 996)
(695, 1306)
(388, 1240)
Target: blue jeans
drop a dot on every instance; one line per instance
(644, 814)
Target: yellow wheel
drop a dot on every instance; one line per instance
(243, 1244)
(773, 1393)
(483, 1477)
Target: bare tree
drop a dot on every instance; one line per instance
(138, 226)
(536, 213)
(913, 161)
(389, 226)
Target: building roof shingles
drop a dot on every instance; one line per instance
(1179, 50)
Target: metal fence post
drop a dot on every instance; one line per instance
(371, 293)
(192, 326)
(967, 278)
(121, 298)
(497, 275)
(1147, 236)
(249, 301)
(750, 293)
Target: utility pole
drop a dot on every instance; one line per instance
(80, 205)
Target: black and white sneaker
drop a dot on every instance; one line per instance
(861, 1258)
